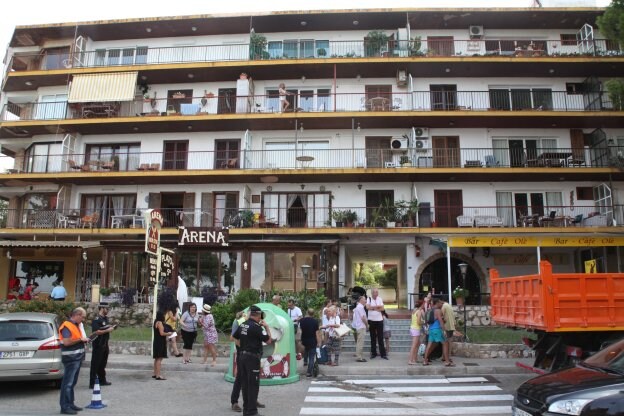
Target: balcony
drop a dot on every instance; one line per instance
(291, 50)
(474, 219)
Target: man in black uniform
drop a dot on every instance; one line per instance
(99, 355)
(251, 336)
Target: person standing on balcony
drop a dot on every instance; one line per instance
(284, 104)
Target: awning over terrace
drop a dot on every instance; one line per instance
(49, 244)
(120, 86)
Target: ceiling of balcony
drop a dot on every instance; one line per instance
(315, 120)
(303, 176)
(316, 20)
(421, 67)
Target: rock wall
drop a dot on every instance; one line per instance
(475, 315)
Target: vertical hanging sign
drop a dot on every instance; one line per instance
(152, 234)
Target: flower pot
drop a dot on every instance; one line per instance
(459, 301)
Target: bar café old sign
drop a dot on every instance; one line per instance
(202, 237)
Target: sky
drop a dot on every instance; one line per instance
(30, 12)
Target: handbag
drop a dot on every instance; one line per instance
(421, 350)
(342, 330)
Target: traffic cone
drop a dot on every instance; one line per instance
(96, 398)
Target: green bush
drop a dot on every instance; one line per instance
(61, 309)
(223, 314)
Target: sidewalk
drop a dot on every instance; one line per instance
(395, 366)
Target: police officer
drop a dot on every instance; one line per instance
(72, 353)
(251, 336)
(99, 355)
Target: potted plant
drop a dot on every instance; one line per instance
(247, 218)
(321, 52)
(350, 217)
(615, 91)
(340, 217)
(460, 294)
(414, 46)
(257, 46)
(390, 212)
(405, 161)
(374, 41)
(145, 91)
(178, 95)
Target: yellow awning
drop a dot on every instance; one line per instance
(524, 241)
(120, 86)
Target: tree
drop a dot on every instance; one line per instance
(389, 279)
(611, 23)
(366, 274)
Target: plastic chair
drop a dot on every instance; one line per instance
(490, 161)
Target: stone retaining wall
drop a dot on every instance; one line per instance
(476, 315)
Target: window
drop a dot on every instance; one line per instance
(227, 154)
(573, 88)
(56, 58)
(107, 206)
(568, 39)
(125, 157)
(177, 97)
(43, 158)
(122, 56)
(51, 107)
(226, 205)
(175, 155)
(211, 273)
(294, 48)
(521, 98)
(584, 193)
(127, 269)
(296, 209)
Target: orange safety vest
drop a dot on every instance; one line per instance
(72, 350)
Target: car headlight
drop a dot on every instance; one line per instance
(569, 406)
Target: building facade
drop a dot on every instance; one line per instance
(421, 138)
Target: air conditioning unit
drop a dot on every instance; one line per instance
(423, 144)
(399, 143)
(420, 132)
(475, 32)
(401, 78)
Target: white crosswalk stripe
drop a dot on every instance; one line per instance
(422, 396)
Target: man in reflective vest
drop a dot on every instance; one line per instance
(72, 353)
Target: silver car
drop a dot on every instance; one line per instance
(30, 348)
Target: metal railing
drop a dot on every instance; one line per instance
(108, 160)
(128, 56)
(297, 216)
(474, 101)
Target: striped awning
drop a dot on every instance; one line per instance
(48, 244)
(119, 86)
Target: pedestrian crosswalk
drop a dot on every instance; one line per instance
(415, 396)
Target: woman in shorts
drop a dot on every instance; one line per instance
(416, 331)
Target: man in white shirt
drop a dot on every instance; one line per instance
(375, 306)
(360, 324)
(295, 313)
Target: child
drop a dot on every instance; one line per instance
(386, 330)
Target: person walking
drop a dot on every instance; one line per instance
(310, 338)
(99, 354)
(159, 345)
(295, 314)
(251, 334)
(207, 323)
(375, 306)
(171, 325)
(236, 387)
(449, 328)
(58, 292)
(416, 330)
(334, 342)
(72, 353)
(360, 324)
(436, 333)
(188, 323)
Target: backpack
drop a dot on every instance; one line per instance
(430, 316)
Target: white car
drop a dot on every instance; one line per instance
(30, 348)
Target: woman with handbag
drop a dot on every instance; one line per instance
(171, 325)
(188, 323)
(334, 342)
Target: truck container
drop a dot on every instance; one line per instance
(572, 314)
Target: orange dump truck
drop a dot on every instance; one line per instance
(573, 314)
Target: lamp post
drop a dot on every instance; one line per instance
(305, 270)
(463, 268)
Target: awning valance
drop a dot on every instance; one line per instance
(525, 241)
(48, 244)
(119, 86)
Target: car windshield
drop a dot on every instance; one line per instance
(611, 358)
(25, 331)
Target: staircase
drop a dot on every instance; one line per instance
(400, 341)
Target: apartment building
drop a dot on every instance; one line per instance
(423, 138)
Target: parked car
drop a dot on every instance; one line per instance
(594, 387)
(29, 347)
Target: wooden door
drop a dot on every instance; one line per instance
(440, 46)
(188, 208)
(207, 212)
(226, 101)
(446, 151)
(516, 153)
(154, 200)
(378, 97)
(577, 142)
(448, 206)
(175, 155)
(377, 151)
(227, 154)
(374, 200)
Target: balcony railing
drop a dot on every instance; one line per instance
(478, 217)
(129, 56)
(475, 101)
(300, 157)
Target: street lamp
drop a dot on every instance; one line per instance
(463, 268)
(305, 270)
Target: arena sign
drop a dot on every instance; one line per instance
(202, 237)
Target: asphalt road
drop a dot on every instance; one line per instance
(183, 393)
